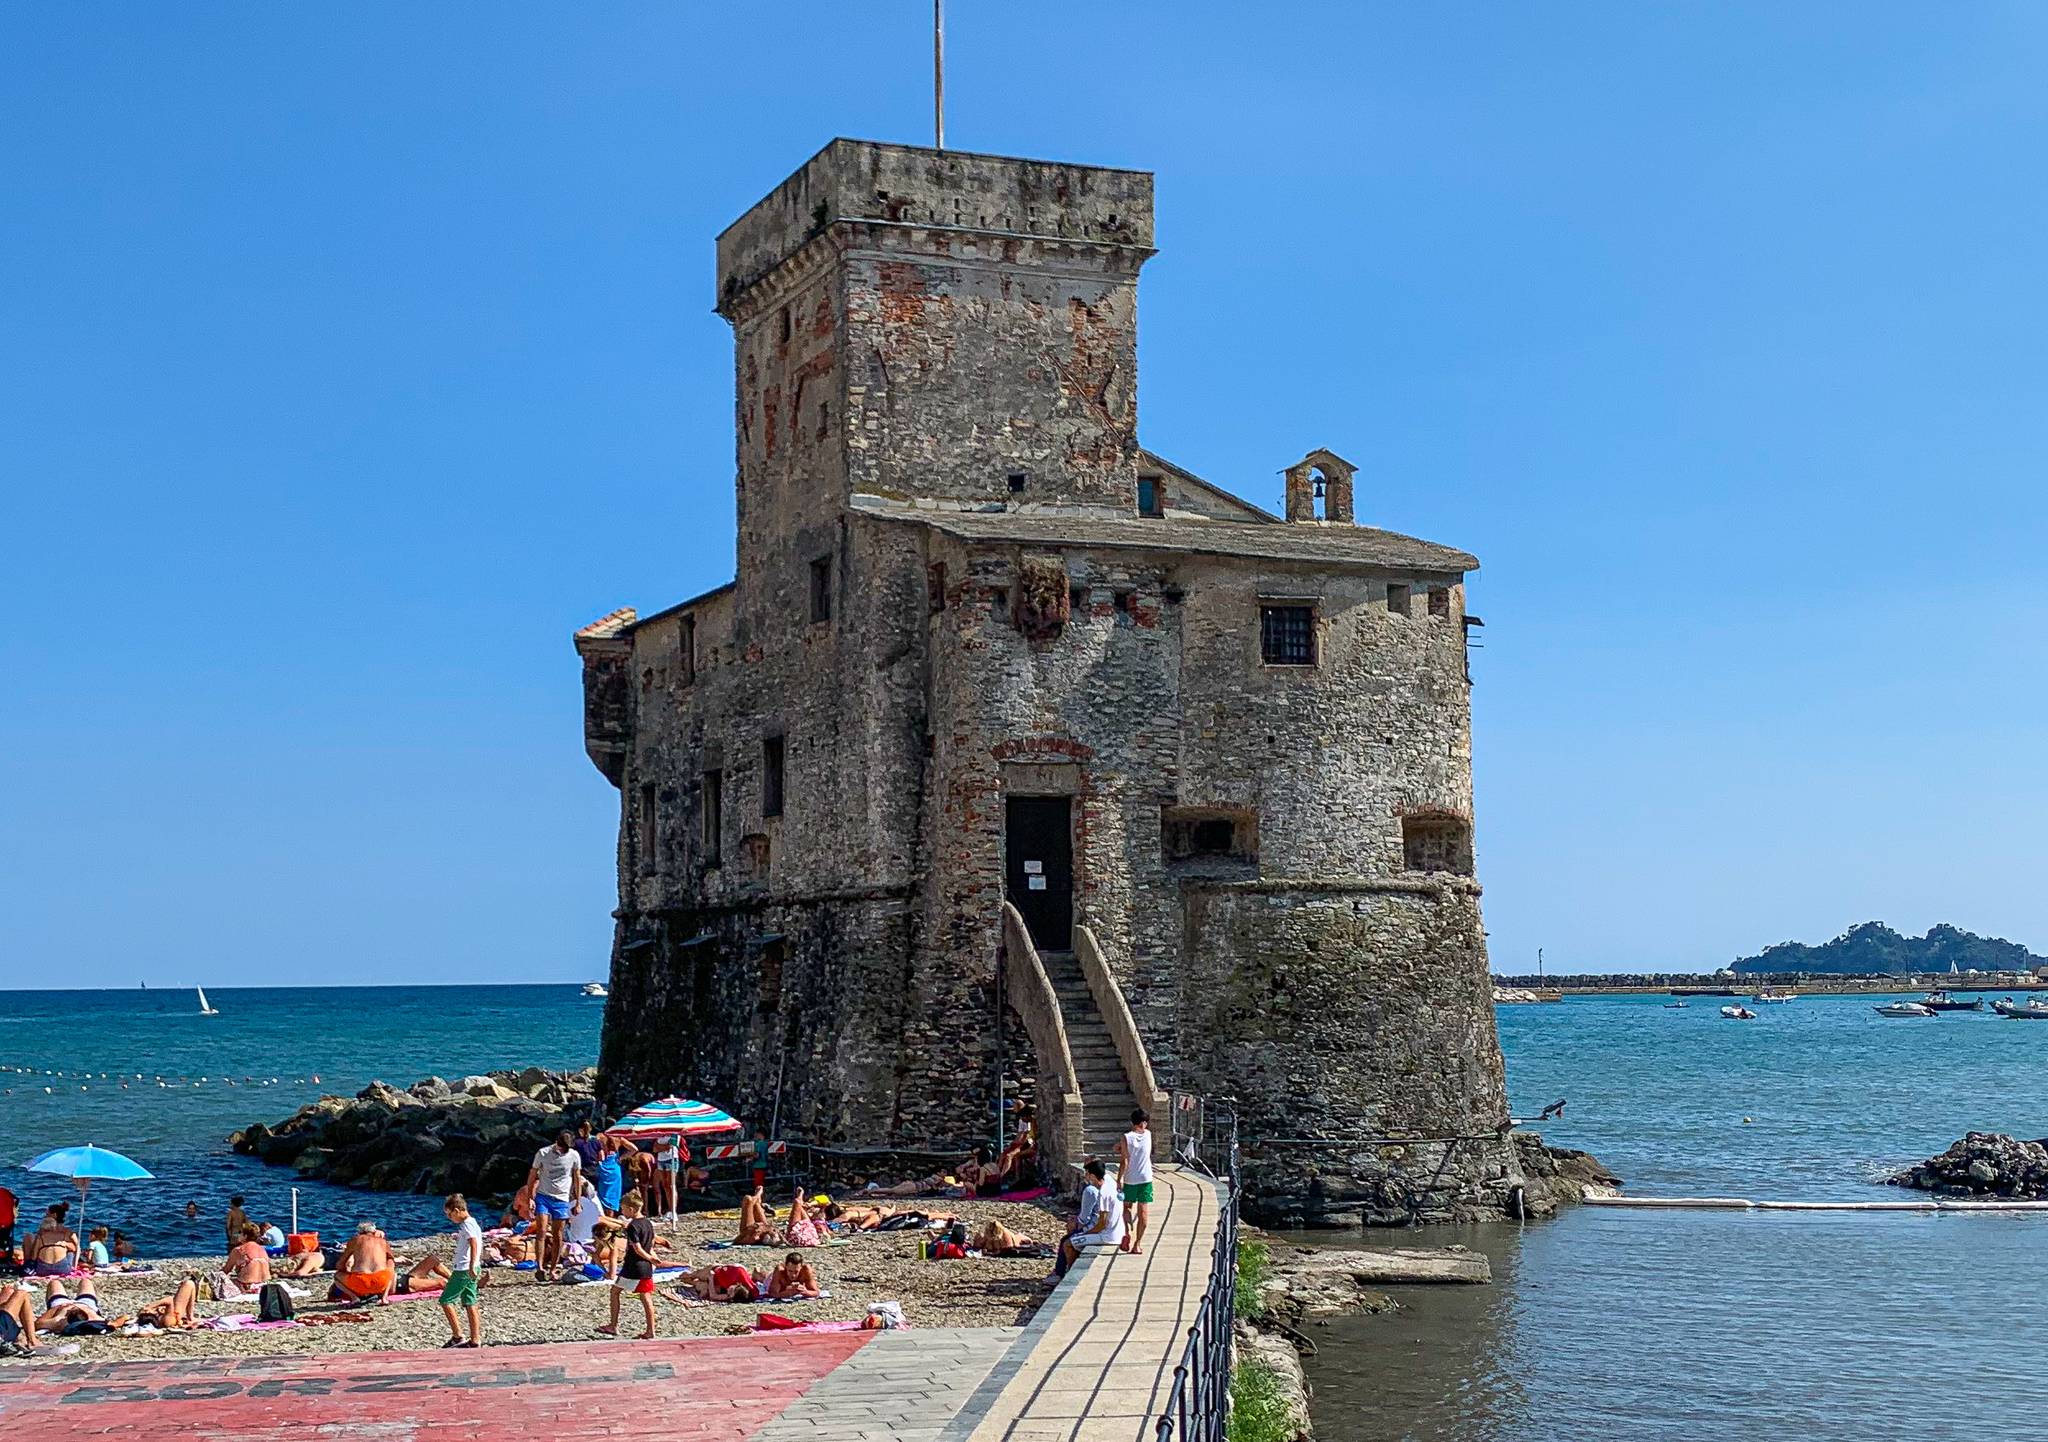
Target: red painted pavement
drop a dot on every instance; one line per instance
(690, 1390)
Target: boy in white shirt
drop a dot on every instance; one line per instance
(460, 1289)
(1134, 1171)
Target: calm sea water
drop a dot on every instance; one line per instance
(1729, 1325)
(344, 1036)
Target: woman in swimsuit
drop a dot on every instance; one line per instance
(803, 1230)
(53, 1250)
(174, 1313)
(756, 1225)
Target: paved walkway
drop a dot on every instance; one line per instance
(902, 1386)
(1097, 1362)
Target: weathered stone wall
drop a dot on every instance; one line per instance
(957, 335)
(1349, 1013)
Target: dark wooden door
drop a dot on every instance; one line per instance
(1039, 870)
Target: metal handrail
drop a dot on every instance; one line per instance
(1198, 1405)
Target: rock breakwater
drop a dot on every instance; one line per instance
(1983, 1164)
(476, 1134)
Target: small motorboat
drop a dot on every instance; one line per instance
(594, 988)
(1767, 995)
(2033, 1010)
(1674, 1006)
(1942, 1001)
(1904, 1008)
(1738, 1012)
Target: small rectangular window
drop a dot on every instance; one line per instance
(1149, 501)
(771, 776)
(1287, 635)
(650, 831)
(1017, 480)
(1440, 601)
(714, 814)
(686, 650)
(821, 589)
(1397, 599)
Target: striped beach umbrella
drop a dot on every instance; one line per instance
(673, 1116)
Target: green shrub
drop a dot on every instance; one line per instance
(1254, 1265)
(1258, 1411)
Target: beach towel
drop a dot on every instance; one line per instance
(1029, 1194)
(242, 1322)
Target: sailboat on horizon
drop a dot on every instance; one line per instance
(206, 1008)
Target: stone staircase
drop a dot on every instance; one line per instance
(1106, 1093)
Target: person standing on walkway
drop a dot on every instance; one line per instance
(636, 1267)
(459, 1291)
(554, 1177)
(1134, 1170)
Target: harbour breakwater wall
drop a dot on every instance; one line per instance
(475, 1135)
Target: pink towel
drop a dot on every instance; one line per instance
(1029, 1194)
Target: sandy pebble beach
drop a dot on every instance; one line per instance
(517, 1309)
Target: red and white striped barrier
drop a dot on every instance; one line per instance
(726, 1151)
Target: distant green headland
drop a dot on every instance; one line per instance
(1873, 948)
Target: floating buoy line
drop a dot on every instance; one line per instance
(128, 1081)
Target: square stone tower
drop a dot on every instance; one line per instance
(1017, 761)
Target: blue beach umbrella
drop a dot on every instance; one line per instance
(673, 1116)
(86, 1165)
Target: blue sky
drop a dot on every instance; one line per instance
(351, 356)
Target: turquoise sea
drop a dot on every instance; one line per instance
(1730, 1325)
(144, 1073)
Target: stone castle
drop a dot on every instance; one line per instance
(1018, 761)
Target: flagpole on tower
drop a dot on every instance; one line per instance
(939, 73)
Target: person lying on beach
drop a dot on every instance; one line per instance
(803, 1230)
(507, 1251)
(175, 1312)
(794, 1278)
(429, 1274)
(52, 1250)
(757, 1224)
(857, 1218)
(364, 1271)
(302, 1264)
(248, 1264)
(76, 1311)
(18, 1336)
(994, 1239)
(729, 1283)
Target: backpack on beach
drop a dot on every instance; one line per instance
(274, 1304)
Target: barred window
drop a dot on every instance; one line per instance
(1287, 635)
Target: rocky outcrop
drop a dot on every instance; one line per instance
(1308, 1282)
(1983, 1164)
(1553, 1177)
(475, 1135)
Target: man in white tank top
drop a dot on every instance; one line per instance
(1134, 1171)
